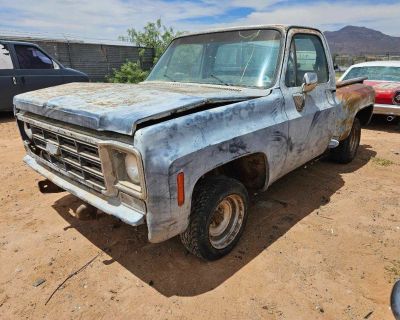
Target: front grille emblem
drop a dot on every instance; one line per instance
(52, 148)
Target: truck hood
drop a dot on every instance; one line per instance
(122, 107)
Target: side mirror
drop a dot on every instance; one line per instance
(310, 81)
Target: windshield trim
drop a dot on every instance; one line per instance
(278, 64)
(211, 85)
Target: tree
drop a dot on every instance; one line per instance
(154, 35)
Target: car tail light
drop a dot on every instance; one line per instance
(396, 98)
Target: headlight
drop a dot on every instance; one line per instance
(132, 169)
(28, 131)
(127, 174)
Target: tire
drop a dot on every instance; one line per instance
(218, 217)
(347, 149)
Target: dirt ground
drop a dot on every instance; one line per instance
(321, 243)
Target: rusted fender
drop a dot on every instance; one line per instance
(353, 98)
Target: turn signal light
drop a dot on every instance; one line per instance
(180, 179)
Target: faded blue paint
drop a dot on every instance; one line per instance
(121, 107)
(199, 142)
(249, 121)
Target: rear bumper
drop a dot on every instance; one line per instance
(387, 109)
(117, 209)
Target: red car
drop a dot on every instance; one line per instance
(384, 77)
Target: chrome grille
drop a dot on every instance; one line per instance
(80, 160)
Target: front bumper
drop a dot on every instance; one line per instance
(387, 109)
(117, 209)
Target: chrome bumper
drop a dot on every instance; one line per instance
(387, 109)
(126, 214)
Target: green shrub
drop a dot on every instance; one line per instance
(130, 72)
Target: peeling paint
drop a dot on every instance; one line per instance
(352, 99)
(182, 134)
(121, 107)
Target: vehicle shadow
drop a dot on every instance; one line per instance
(379, 123)
(169, 269)
(6, 117)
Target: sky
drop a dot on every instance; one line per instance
(107, 19)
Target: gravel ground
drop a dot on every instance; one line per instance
(321, 243)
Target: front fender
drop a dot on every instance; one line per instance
(197, 143)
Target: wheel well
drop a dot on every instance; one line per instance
(251, 170)
(365, 115)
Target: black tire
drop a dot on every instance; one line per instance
(347, 149)
(208, 197)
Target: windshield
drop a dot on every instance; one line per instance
(246, 58)
(375, 73)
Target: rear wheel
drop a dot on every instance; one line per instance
(218, 217)
(347, 149)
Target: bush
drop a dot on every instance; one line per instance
(130, 72)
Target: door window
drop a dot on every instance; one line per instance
(5, 58)
(306, 54)
(32, 58)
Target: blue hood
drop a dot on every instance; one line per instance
(121, 107)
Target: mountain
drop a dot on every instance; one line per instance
(360, 41)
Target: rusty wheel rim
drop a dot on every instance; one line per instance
(226, 221)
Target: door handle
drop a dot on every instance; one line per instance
(299, 101)
(14, 80)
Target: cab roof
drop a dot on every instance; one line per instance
(281, 27)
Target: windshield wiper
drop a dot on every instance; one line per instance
(220, 80)
(169, 77)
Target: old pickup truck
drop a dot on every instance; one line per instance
(223, 113)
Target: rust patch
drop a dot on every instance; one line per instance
(353, 98)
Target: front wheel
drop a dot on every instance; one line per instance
(218, 217)
(347, 149)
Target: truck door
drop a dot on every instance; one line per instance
(36, 69)
(8, 83)
(311, 115)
